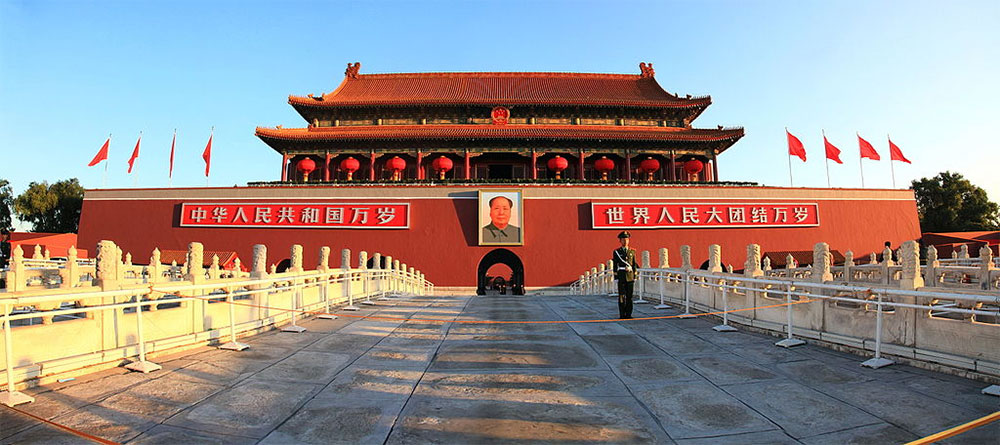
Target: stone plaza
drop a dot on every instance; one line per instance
(361, 379)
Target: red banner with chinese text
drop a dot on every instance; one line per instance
(703, 215)
(322, 215)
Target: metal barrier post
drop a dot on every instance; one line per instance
(877, 361)
(724, 327)
(642, 290)
(232, 345)
(325, 292)
(345, 281)
(296, 303)
(11, 397)
(142, 365)
(687, 297)
(789, 341)
(662, 305)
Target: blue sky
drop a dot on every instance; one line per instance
(73, 71)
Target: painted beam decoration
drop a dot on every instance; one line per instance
(701, 215)
(319, 215)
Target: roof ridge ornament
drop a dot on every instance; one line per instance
(646, 69)
(352, 70)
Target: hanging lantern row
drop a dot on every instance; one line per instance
(558, 164)
(442, 165)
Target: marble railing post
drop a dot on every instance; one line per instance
(664, 258)
(790, 262)
(195, 263)
(930, 274)
(323, 262)
(295, 262)
(71, 273)
(848, 264)
(821, 263)
(603, 280)
(985, 266)
(363, 268)
(963, 252)
(715, 258)
(37, 255)
(686, 257)
(107, 265)
(213, 271)
(751, 268)
(259, 269)
(155, 269)
(909, 259)
(645, 260)
(766, 264)
(16, 279)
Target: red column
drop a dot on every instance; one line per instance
(580, 174)
(371, 168)
(468, 174)
(673, 166)
(284, 167)
(715, 169)
(534, 165)
(420, 164)
(628, 166)
(326, 169)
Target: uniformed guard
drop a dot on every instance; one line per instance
(626, 269)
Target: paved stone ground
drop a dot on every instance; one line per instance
(368, 381)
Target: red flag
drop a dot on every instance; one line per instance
(895, 154)
(173, 143)
(207, 155)
(795, 147)
(867, 151)
(102, 154)
(135, 154)
(832, 153)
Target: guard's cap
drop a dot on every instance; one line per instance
(624, 234)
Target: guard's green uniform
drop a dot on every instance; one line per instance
(626, 269)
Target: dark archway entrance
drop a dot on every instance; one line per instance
(501, 256)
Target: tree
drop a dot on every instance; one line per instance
(6, 224)
(54, 208)
(950, 203)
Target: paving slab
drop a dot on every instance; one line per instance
(680, 343)
(253, 408)
(170, 435)
(539, 386)
(339, 420)
(363, 382)
(641, 371)
(799, 410)
(308, 367)
(160, 399)
(446, 420)
(458, 355)
(879, 434)
(610, 345)
(728, 369)
(814, 372)
(764, 437)
(345, 343)
(106, 423)
(700, 409)
(398, 357)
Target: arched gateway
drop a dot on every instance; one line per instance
(501, 256)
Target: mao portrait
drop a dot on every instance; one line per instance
(500, 218)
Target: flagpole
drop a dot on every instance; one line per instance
(791, 183)
(211, 136)
(861, 163)
(891, 168)
(135, 178)
(104, 178)
(170, 174)
(827, 160)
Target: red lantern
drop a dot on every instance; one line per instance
(649, 166)
(604, 165)
(350, 165)
(396, 165)
(442, 165)
(306, 166)
(558, 164)
(693, 166)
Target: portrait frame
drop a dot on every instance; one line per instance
(487, 236)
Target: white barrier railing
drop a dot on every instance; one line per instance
(94, 329)
(956, 328)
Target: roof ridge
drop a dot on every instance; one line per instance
(471, 74)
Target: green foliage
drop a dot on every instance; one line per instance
(950, 203)
(6, 223)
(51, 208)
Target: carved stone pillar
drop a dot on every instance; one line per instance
(295, 264)
(195, 263)
(985, 266)
(345, 259)
(714, 258)
(910, 261)
(259, 269)
(686, 257)
(323, 264)
(363, 260)
(664, 258)
(71, 274)
(752, 266)
(377, 261)
(821, 263)
(645, 259)
(963, 252)
(930, 276)
(213, 272)
(848, 264)
(107, 266)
